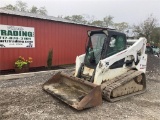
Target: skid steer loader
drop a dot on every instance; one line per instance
(112, 68)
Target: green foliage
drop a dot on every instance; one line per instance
(97, 23)
(42, 11)
(34, 9)
(22, 6)
(76, 18)
(49, 59)
(121, 26)
(108, 20)
(20, 62)
(155, 37)
(146, 28)
(10, 7)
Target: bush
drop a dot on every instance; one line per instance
(49, 59)
(20, 62)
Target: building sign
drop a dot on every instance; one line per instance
(16, 37)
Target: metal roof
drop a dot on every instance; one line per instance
(45, 17)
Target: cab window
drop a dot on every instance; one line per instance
(117, 44)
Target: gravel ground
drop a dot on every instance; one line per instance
(24, 99)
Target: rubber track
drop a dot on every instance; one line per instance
(110, 85)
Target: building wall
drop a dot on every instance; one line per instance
(66, 40)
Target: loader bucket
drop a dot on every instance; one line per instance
(76, 92)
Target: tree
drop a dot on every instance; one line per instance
(76, 18)
(108, 20)
(22, 6)
(88, 18)
(49, 58)
(34, 9)
(42, 11)
(121, 26)
(98, 23)
(146, 28)
(60, 16)
(155, 36)
(10, 7)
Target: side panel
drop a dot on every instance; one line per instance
(103, 71)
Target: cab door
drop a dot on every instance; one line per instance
(117, 44)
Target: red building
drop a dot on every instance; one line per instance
(66, 38)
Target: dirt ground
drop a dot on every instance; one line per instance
(24, 99)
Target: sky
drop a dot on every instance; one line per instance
(130, 11)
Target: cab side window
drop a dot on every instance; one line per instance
(117, 44)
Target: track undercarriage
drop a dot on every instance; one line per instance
(131, 83)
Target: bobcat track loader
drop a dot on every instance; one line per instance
(112, 68)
